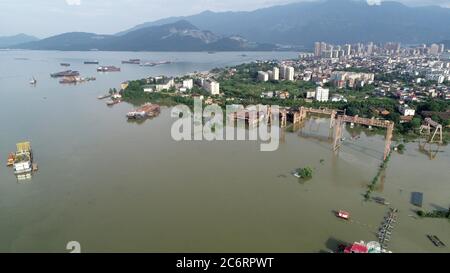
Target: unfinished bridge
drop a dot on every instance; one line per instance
(337, 120)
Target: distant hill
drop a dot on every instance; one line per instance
(178, 36)
(67, 41)
(334, 21)
(6, 41)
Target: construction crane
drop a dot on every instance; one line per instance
(427, 125)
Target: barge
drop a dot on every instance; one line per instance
(23, 159)
(67, 73)
(91, 62)
(109, 68)
(145, 111)
(132, 61)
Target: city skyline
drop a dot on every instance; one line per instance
(52, 17)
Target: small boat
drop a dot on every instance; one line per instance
(33, 81)
(132, 61)
(112, 102)
(91, 62)
(67, 73)
(109, 68)
(436, 241)
(380, 200)
(11, 158)
(104, 96)
(343, 214)
(64, 64)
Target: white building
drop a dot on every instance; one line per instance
(434, 49)
(275, 74)
(310, 94)
(188, 84)
(338, 98)
(289, 73)
(263, 76)
(405, 110)
(212, 87)
(322, 94)
(169, 83)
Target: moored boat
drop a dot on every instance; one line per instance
(91, 62)
(109, 68)
(67, 73)
(11, 158)
(112, 102)
(23, 159)
(132, 61)
(146, 110)
(104, 96)
(343, 214)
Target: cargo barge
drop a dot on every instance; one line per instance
(147, 110)
(109, 68)
(67, 73)
(23, 159)
(91, 62)
(132, 61)
(155, 63)
(75, 80)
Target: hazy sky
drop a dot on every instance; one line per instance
(43, 18)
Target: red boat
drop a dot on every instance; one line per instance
(343, 214)
(11, 158)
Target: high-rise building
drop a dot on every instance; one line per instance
(283, 72)
(434, 49)
(263, 76)
(275, 74)
(441, 48)
(370, 48)
(348, 50)
(212, 87)
(188, 84)
(289, 74)
(322, 94)
(317, 49)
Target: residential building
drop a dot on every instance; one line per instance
(212, 87)
(405, 110)
(263, 76)
(188, 84)
(322, 94)
(275, 74)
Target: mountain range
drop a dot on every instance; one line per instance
(297, 24)
(333, 21)
(6, 41)
(177, 36)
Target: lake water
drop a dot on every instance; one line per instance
(116, 186)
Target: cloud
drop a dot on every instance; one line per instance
(73, 2)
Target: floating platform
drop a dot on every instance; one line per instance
(417, 199)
